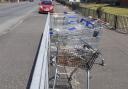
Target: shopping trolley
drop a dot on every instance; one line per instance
(73, 44)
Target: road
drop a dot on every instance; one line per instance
(12, 13)
(19, 45)
(8, 12)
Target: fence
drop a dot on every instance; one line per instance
(40, 75)
(116, 22)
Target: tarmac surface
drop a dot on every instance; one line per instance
(18, 49)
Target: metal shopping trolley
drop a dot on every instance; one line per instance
(73, 45)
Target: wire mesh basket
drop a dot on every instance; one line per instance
(76, 46)
(75, 58)
(74, 52)
(74, 43)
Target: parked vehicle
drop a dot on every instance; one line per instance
(46, 6)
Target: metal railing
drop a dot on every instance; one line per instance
(40, 75)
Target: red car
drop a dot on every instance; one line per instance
(46, 6)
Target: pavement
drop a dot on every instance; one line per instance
(115, 51)
(114, 75)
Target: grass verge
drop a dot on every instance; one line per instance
(123, 11)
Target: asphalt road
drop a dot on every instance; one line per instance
(19, 45)
(12, 11)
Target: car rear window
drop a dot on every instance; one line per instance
(47, 2)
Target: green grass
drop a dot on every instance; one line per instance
(107, 8)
